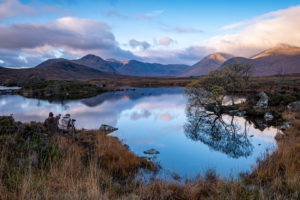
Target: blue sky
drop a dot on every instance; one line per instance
(169, 31)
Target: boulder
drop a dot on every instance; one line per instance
(285, 126)
(260, 124)
(239, 113)
(107, 128)
(268, 117)
(263, 100)
(151, 151)
(294, 106)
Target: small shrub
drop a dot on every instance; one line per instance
(7, 125)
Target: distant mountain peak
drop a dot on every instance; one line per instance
(51, 61)
(280, 49)
(219, 56)
(90, 57)
(208, 64)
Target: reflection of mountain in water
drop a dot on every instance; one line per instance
(130, 94)
(219, 133)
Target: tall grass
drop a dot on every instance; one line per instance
(93, 165)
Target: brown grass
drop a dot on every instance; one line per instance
(94, 167)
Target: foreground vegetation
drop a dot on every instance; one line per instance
(35, 164)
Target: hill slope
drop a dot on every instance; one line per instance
(95, 62)
(136, 68)
(131, 68)
(280, 59)
(91, 61)
(63, 70)
(208, 64)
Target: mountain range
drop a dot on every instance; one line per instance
(282, 59)
(130, 68)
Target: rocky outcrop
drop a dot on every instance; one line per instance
(268, 117)
(294, 106)
(107, 128)
(285, 126)
(263, 100)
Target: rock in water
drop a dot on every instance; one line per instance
(151, 151)
(263, 100)
(107, 128)
(268, 117)
(294, 106)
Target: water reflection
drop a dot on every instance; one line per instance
(158, 118)
(219, 132)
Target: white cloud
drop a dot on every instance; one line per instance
(23, 59)
(266, 31)
(149, 16)
(166, 41)
(11, 8)
(1, 61)
(233, 26)
(189, 55)
(64, 36)
(142, 44)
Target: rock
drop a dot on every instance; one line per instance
(294, 106)
(268, 117)
(239, 113)
(260, 124)
(285, 126)
(107, 128)
(151, 151)
(242, 113)
(263, 101)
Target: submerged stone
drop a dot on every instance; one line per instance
(151, 151)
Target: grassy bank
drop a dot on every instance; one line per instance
(59, 90)
(37, 165)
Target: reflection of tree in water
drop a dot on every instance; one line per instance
(220, 135)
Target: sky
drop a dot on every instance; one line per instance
(164, 31)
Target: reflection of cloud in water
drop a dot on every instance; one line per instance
(146, 141)
(166, 117)
(137, 115)
(89, 113)
(237, 100)
(145, 121)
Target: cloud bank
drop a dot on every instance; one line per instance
(68, 35)
(266, 31)
(28, 44)
(11, 8)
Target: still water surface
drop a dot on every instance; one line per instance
(157, 118)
